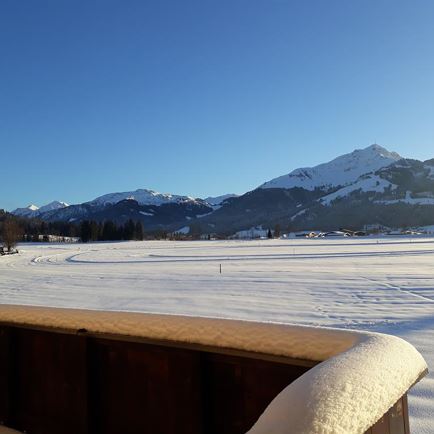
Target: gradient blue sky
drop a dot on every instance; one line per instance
(204, 97)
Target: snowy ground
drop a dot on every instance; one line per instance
(384, 285)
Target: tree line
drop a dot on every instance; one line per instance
(14, 229)
(91, 230)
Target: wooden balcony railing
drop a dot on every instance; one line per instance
(64, 381)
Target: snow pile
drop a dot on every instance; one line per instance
(341, 171)
(348, 393)
(362, 376)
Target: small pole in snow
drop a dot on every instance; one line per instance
(220, 268)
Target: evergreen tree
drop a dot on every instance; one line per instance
(110, 231)
(269, 234)
(93, 230)
(139, 231)
(195, 230)
(129, 230)
(100, 231)
(85, 231)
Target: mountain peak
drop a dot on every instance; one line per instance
(218, 200)
(52, 206)
(28, 211)
(340, 171)
(142, 196)
(380, 151)
(34, 211)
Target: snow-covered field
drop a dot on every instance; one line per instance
(374, 284)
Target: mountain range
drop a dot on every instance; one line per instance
(370, 186)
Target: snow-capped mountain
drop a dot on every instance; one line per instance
(367, 186)
(35, 211)
(156, 211)
(142, 196)
(28, 211)
(52, 206)
(218, 200)
(146, 205)
(341, 171)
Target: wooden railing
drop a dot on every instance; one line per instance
(59, 382)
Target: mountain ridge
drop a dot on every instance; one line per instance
(361, 187)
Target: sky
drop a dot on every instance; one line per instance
(204, 97)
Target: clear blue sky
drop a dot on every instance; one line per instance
(204, 97)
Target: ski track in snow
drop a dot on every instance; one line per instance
(384, 285)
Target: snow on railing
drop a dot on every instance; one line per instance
(360, 378)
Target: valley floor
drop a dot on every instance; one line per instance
(384, 285)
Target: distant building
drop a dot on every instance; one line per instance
(57, 239)
(250, 234)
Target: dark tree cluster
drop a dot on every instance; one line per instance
(37, 230)
(34, 229)
(14, 229)
(90, 230)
